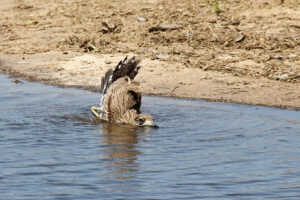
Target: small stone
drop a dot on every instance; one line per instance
(165, 27)
(226, 44)
(65, 52)
(279, 57)
(293, 55)
(213, 21)
(281, 76)
(240, 39)
(161, 57)
(141, 19)
(235, 23)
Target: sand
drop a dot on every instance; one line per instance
(249, 53)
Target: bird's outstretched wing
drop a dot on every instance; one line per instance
(125, 67)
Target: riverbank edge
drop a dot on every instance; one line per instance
(24, 77)
(167, 84)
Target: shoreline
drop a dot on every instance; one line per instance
(157, 78)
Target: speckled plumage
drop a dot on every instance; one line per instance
(121, 95)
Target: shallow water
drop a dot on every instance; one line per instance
(50, 148)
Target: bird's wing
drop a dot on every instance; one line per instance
(125, 67)
(122, 97)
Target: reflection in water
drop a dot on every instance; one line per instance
(120, 144)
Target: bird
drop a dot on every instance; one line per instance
(121, 96)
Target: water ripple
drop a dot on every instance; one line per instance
(52, 148)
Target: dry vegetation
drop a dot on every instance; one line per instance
(259, 38)
(245, 38)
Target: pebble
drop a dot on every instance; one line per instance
(141, 19)
(293, 55)
(281, 77)
(161, 57)
(164, 27)
(279, 57)
(240, 39)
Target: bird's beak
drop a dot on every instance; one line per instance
(155, 126)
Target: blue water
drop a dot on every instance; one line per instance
(51, 148)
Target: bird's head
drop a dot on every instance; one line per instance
(144, 120)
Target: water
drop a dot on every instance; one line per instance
(51, 149)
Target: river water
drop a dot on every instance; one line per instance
(51, 148)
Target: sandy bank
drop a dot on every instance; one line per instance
(156, 77)
(247, 52)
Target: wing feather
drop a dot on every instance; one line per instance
(125, 67)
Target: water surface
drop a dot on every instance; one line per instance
(50, 148)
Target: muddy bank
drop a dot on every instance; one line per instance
(156, 77)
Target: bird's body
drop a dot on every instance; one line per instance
(121, 96)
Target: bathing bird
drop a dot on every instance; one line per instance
(121, 96)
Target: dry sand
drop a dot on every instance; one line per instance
(249, 53)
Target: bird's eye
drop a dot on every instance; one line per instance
(140, 119)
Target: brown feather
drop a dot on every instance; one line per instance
(126, 68)
(105, 83)
(121, 101)
(109, 109)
